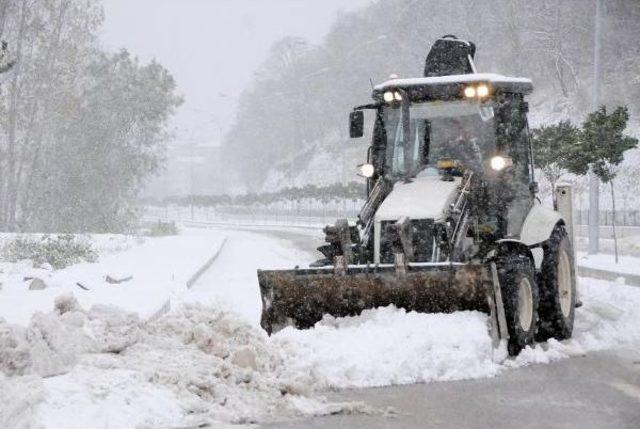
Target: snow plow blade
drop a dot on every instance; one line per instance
(301, 297)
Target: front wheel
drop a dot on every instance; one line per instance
(520, 297)
(557, 288)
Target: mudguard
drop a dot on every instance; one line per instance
(536, 229)
(539, 225)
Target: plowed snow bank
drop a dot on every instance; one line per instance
(201, 365)
(195, 366)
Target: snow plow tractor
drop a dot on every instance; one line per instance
(451, 221)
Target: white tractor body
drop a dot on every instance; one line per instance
(426, 196)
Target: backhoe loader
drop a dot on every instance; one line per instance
(452, 221)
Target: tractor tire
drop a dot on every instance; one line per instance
(516, 274)
(557, 288)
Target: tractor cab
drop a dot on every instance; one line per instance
(447, 125)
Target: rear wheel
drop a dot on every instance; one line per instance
(520, 297)
(557, 288)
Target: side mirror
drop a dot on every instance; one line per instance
(356, 124)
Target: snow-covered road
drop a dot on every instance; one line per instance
(208, 361)
(232, 283)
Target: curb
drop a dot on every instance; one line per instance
(612, 276)
(161, 312)
(194, 278)
(166, 307)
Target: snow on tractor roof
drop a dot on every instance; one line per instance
(509, 84)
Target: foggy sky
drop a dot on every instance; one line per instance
(213, 47)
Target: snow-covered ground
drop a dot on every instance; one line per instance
(625, 265)
(208, 361)
(80, 366)
(158, 267)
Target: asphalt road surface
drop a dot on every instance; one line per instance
(596, 391)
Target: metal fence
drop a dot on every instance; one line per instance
(319, 216)
(314, 217)
(623, 218)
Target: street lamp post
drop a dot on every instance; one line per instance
(594, 182)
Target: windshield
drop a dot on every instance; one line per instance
(459, 130)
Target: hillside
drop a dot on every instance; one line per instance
(291, 125)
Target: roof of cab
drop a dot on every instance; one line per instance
(508, 84)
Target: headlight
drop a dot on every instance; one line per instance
(470, 92)
(366, 170)
(477, 91)
(388, 96)
(397, 96)
(499, 163)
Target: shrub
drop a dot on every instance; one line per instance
(60, 251)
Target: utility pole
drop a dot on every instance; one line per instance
(594, 182)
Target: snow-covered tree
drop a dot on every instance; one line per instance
(552, 146)
(602, 146)
(79, 129)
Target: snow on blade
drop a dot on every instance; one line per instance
(390, 346)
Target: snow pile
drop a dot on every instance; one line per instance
(94, 397)
(389, 346)
(200, 365)
(52, 343)
(19, 399)
(193, 367)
